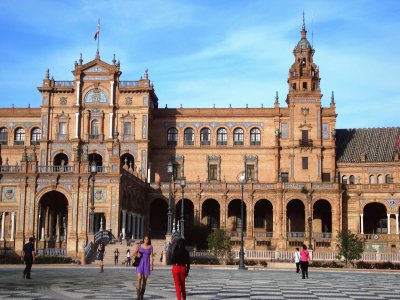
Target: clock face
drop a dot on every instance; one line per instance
(95, 96)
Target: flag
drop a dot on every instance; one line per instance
(98, 30)
(397, 143)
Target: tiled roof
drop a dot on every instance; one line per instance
(378, 144)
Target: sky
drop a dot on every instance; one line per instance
(208, 52)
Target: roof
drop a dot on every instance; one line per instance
(303, 44)
(378, 144)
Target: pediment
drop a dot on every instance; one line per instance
(96, 69)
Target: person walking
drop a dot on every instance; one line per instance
(116, 256)
(296, 258)
(145, 251)
(28, 256)
(304, 261)
(180, 268)
(101, 250)
(128, 258)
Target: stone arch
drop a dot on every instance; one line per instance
(60, 159)
(295, 216)
(210, 213)
(158, 219)
(97, 158)
(375, 218)
(126, 161)
(234, 221)
(263, 216)
(188, 211)
(322, 216)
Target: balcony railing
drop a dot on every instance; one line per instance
(237, 233)
(55, 169)
(52, 252)
(128, 83)
(305, 143)
(64, 83)
(94, 136)
(18, 143)
(10, 169)
(295, 234)
(263, 234)
(205, 143)
(101, 169)
(62, 136)
(322, 235)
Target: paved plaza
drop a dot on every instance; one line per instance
(86, 282)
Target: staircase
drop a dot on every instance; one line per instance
(158, 247)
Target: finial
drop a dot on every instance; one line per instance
(146, 74)
(29, 105)
(181, 105)
(118, 64)
(247, 106)
(304, 23)
(262, 105)
(333, 98)
(230, 105)
(166, 106)
(276, 97)
(80, 59)
(47, 74)
(114, 61)
(213, 105)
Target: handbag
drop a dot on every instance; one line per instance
(136, 261)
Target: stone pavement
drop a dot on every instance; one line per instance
(85, 282)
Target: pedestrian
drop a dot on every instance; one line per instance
(296, 258)
(101, 250)
(116, 255)
(128, 258)
(120, 238)
(28, 257)
(304, 261)
(180, 268)
(145, 251)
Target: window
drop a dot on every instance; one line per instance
(380, 179)
(205, 136)
(325, 131)
(344, 180)
(351, 179)
(3, 136)
(176, 173)
(188, 136)
(255, 137)
(294, 74)
(127, 128)
(304, 86)
(94, 130)
(389, 178)
(19, 136)
(35, 136)
(62, 128)
(326, 177)
(372, 179)
(285, 177)
(212, 172)
(172, 136)
(284, 130)
(250, 172)
(222, 136)
(293, 86)
(304, 138)
(238, 137)
(304, 163)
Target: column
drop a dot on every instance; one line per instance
(141, 226)
(12, 226)
(111, 124)
(134, 226)
(397, 223)
(111, 93)
(51, 226)
(58, 239)
(123, 223)
(76, 124)
(42, 218)
(388, 223)
(78, 92)
(362, 223)
(3, 216)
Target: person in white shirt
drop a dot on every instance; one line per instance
(296, 258)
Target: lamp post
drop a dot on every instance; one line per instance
(242, 179)
(93, 171)
(169, 213)
(310, 224)
(183, 184)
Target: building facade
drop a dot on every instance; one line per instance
(96, 154)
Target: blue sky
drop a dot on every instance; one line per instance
(201, 53)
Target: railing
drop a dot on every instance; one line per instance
(62, 136)
(64, 83)
(308, 143)
(295, 234)
(52, 252)
(10, 169)
(237, 233)
(55, 169)
(322, 235)
(95, 136)
(7, 252)
(263, 234)
(128, 83)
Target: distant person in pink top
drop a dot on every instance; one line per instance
(304, 260)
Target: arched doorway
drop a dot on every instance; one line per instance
(158, 218)
(375, 218)
(210, 213)
(295, 219)
(188, 211)
(263, 218)
(95, 157)
(127, 161)
(52, 220)
(234, 223)
(61, 159)
(322, 219)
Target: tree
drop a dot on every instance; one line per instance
(219, 242)
(350, 246)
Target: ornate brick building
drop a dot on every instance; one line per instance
(297, 172)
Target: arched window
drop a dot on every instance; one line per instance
(205, 136)
(35, 136)
(19, 136)
(188, 136)
(94, 130)
(344, 180)
(238, 137)
(380, 179)
(222, 136)
(351, 179)
(3, 136)
(172, 136)
(388, 178)
(372, 179)
(255, 137)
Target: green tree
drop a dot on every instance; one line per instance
(219, 242)
(350, 246)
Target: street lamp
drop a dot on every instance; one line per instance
(93, 171)
(242, 179)
(183, 184)
(170, 172)
(310, 222)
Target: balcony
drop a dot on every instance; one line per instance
(205, 143)
(263, 234)
(18, 143)
(305, 143)
(101, 169)
(322, 235)
(95, 136)
(10, 169)
(62, 137)
(64, 83)
(296, 234)
(55, 169)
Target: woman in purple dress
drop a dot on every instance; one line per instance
(145, 251)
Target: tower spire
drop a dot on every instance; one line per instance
(304, 23)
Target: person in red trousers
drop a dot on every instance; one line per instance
(180, 268)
